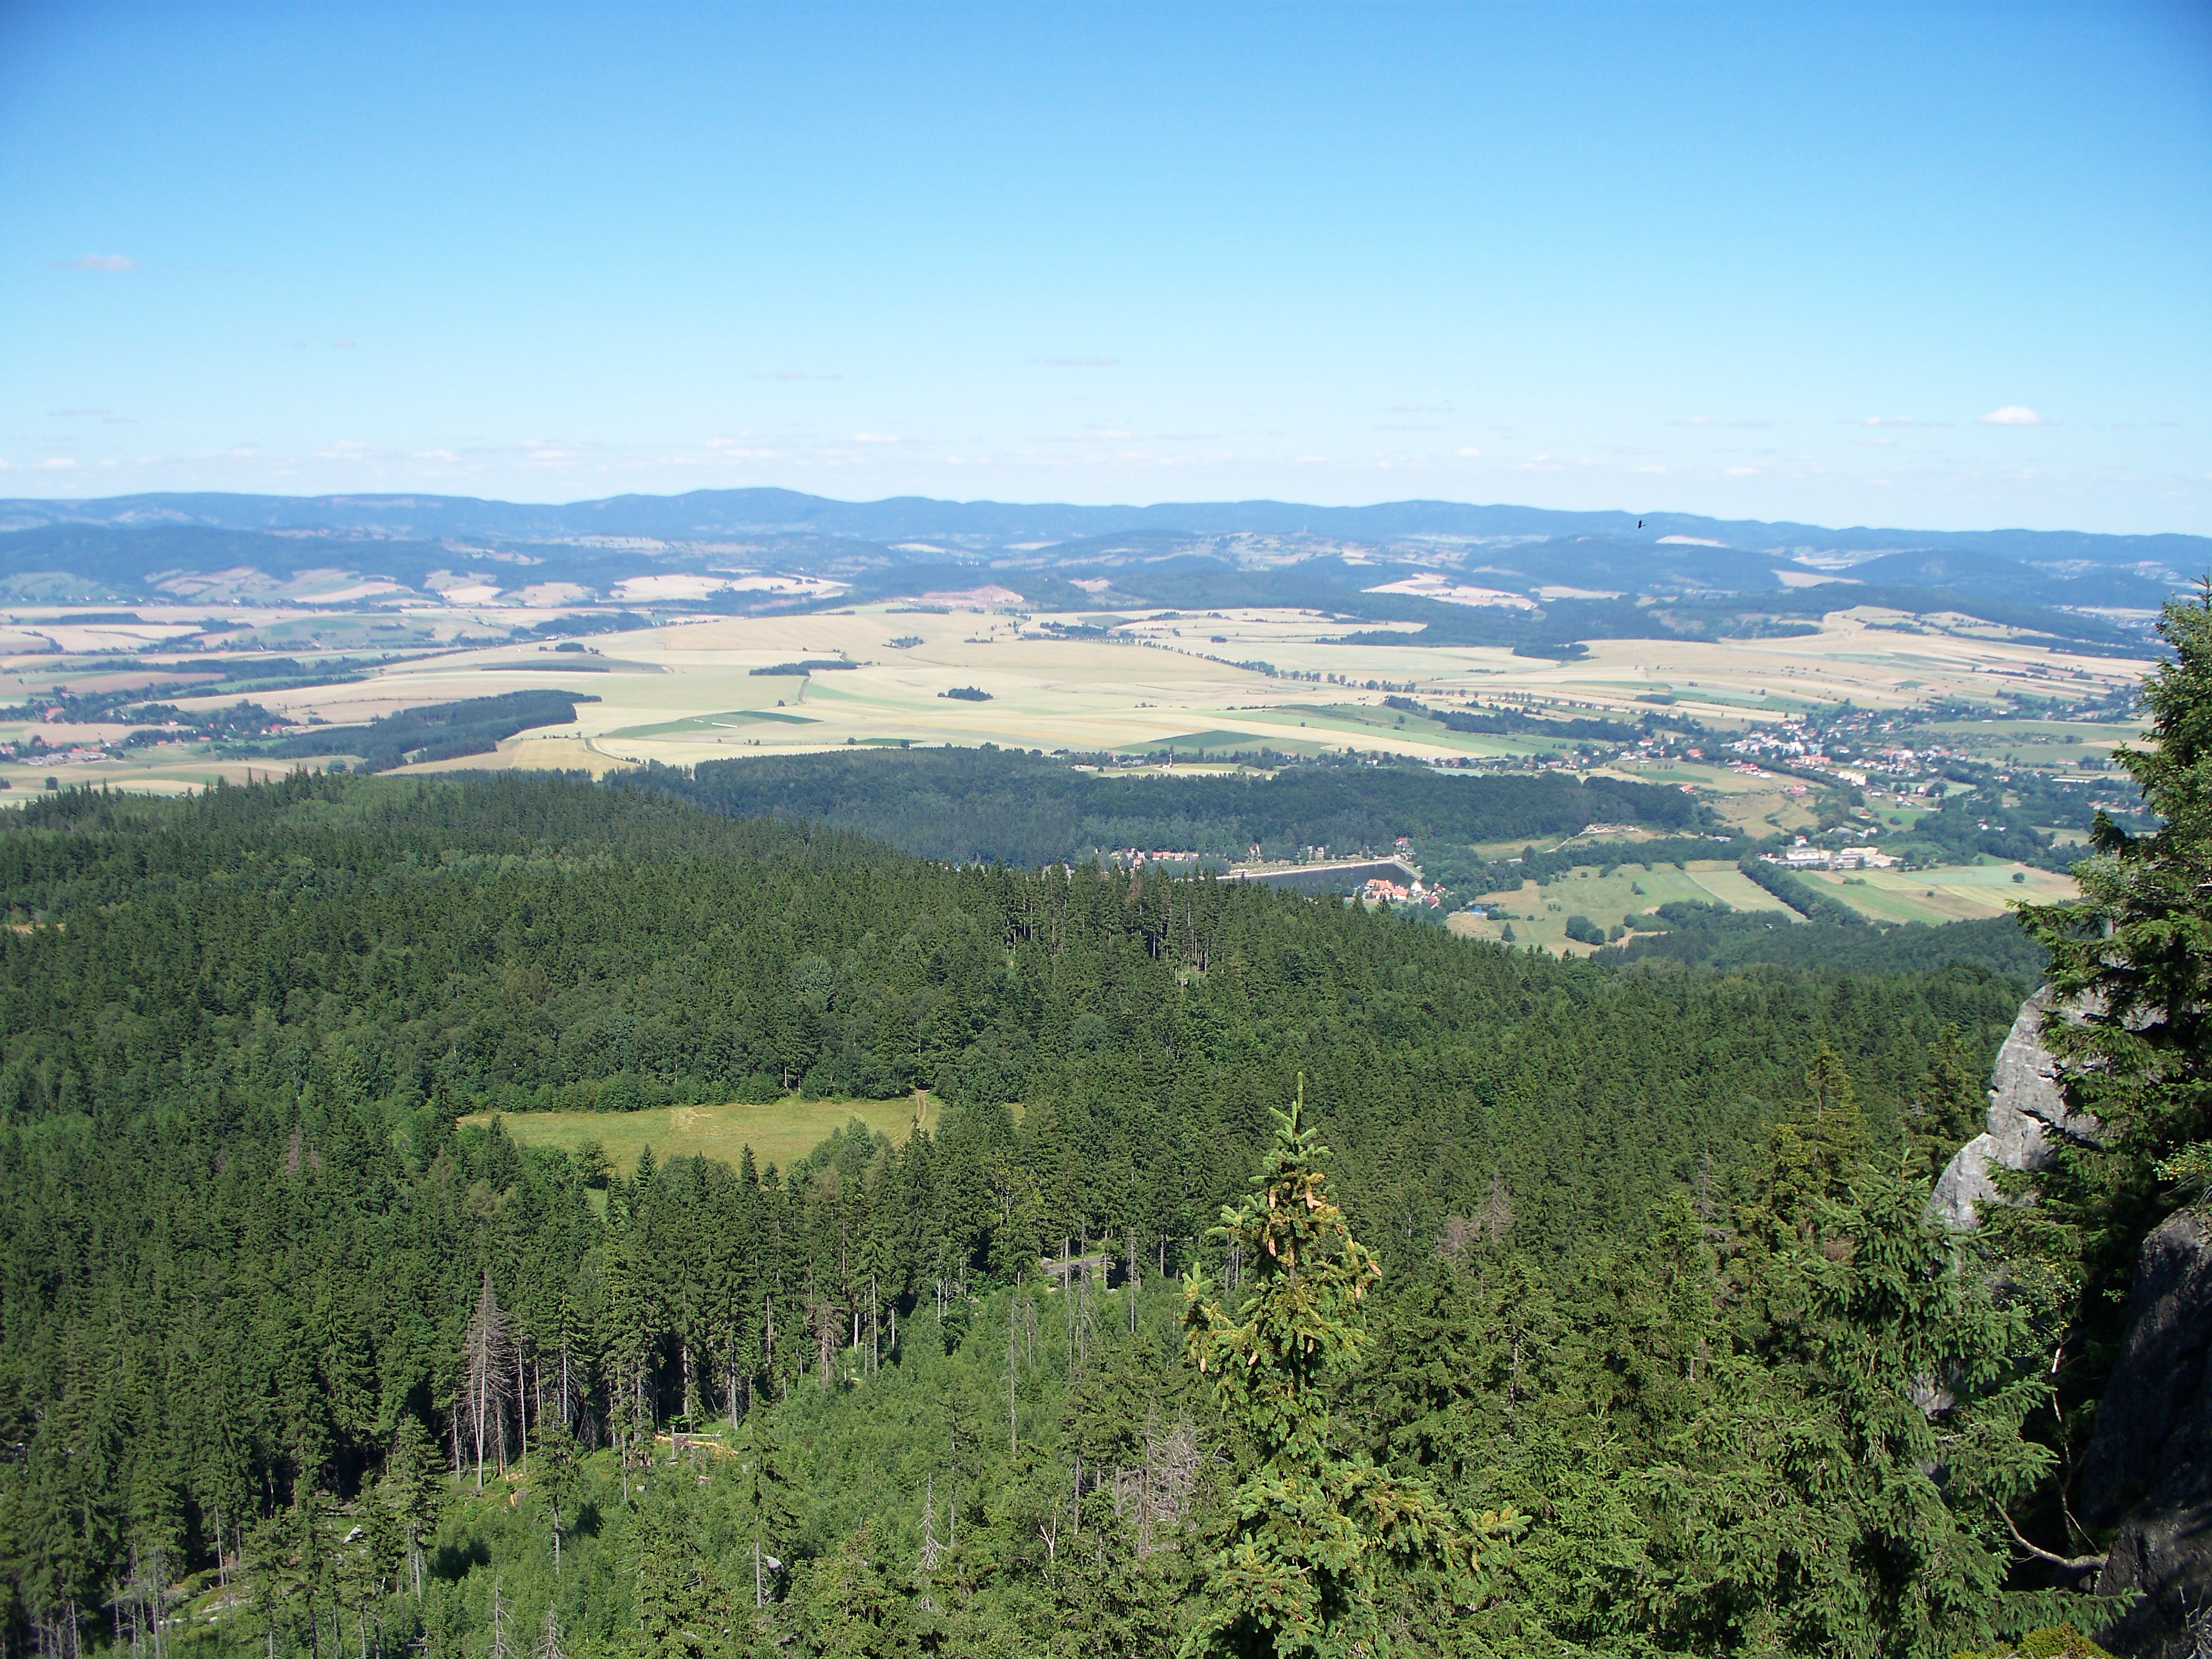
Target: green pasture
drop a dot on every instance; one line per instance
(1722, 881)
(1362, 724)
(1960, 892)
(2100, 734)
(1953, 892)
(1540, 913)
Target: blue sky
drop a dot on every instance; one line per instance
(1943, 266)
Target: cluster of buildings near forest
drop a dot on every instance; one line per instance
(1803, 856)
(1381, 890)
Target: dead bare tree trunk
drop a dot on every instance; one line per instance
(486, 1345)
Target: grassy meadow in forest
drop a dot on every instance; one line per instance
(779, 1131)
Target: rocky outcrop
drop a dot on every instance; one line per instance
(2028, 1116)
(2146, 1477)
(2148, 1469)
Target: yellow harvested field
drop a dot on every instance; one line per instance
(687, 692)
(779, 1132)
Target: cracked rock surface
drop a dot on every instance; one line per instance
(2149, 1468)
(2028, 1116)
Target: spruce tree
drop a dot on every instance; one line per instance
(1948, 1104)
(764, 1492)
(414, 1484)
(666, 1590)
(2133, 957)
(847, 1609)
(2131, 969)
(1314, 1541)
(557, 1479)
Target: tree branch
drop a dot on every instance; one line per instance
(2071, 1563)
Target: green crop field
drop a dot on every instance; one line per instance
(779, 1131)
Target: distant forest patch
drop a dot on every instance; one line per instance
(439, 731)
(966, 805)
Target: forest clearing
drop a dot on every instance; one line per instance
(779, 1131)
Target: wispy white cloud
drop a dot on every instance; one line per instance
(1693, 419)
(95, 262)
(1469, 453)
(55, 463)
(1885, 420)
(1741, 473)
(2017, 415)
(875, 437)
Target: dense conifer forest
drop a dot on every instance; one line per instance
(1027, 809)
(1277, 1277)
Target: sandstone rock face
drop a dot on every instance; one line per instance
(2028, 1117)
(2148, 1468)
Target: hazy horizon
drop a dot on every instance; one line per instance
(1045, 503)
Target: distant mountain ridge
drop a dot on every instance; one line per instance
(1527, 578)
(981, 527)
